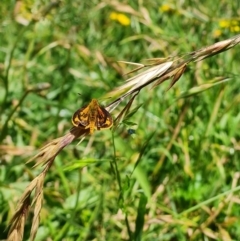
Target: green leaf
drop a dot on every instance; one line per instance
(140, 217)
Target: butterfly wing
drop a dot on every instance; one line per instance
(104, 119)
(81, 117)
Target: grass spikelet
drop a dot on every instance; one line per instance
(163, 71)
(45, 157)
(18, 220)
(37, 201)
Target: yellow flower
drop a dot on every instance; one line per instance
(165, 8)
(113, 16)
(121, 18)
(217, 33)
(224, 23)
(235, 29)
(232, 24)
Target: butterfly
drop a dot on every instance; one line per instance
(92, 116)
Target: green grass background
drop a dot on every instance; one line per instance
(118, 186)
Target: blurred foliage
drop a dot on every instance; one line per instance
(183, 149)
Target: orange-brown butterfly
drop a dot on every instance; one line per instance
(92, 116)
